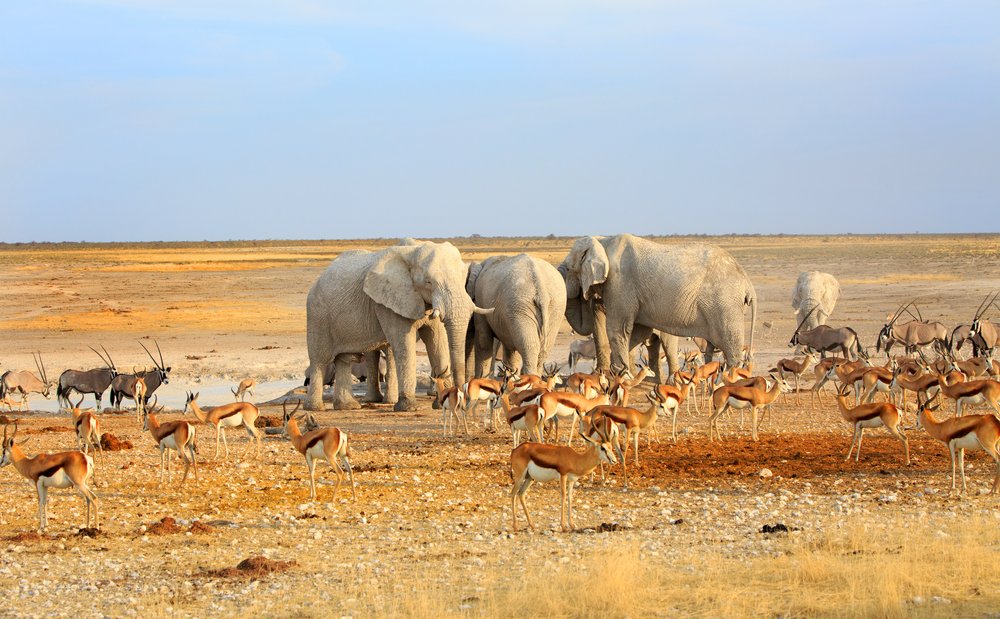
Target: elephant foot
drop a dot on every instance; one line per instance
(347, 404)
(376, 398)
(405, 404)
(315, 406)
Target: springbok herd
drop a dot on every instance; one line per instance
(602, 408)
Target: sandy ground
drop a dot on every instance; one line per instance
(432, 517)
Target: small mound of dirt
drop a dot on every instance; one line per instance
(48, 430)
(88, 532)
(165, 526)
(199, 527)
(110, 442)
(268, 421)
(28, 536)
(252, 567)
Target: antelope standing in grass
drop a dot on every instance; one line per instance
(970, 392)
(589, 385)
(791, 367)
(452, 403)
(330, 444)
(871, 415)
(232, 415)
(245, 388)
(824, 339)
(961, 433)
(926, 385)
(753, 398)
(24, 382)
(176, 436)
(58, 470)
(531, 462)
(913, 335)
(704, 377)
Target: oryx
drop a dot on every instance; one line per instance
(95, 381)
(824, 339)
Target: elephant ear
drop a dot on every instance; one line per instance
(475, 268)
(389, 283)
(594, 264)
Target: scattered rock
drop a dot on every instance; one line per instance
(110, 442)
(251, 567)
(90, 532)
(765, 473)
(775, 528)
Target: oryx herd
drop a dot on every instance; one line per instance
(609, 410)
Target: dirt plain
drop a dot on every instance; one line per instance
(430, 534)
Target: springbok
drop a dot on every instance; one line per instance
(871, 415)
(531, 462)
(452, 401)
(177, 435)
(58, 470)
(328, 444)
(245, 387)
(961, 433)
(232, 415)
(792, 367)
(743, 397)
(88, 430)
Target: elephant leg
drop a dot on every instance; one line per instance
(640, 333)
(484, 345)
(372, 359)
(531, 359)
(470, 353)
(391, 383)
(314, 397)
(603, 360)
(343, 398)
(402, 335)
(619, 330)
(670, 347)
(513, 359)
(435, 342)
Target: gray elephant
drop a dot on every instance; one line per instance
(815, 289)
(621, 288)
(365, 300)
(529, 299)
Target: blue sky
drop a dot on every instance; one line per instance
(253, 119)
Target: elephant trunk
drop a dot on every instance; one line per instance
(457, 326)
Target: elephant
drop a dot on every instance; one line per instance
(621, 288)
(529, 299)
(815, 289)
(366, 300)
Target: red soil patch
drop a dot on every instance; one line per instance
(110, 442)
(29, 536)
(198, 527)
(165, 526)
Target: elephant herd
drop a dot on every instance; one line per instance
(620, 289)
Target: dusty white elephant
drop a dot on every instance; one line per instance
(815, 289)
(365, 300)
(620, 288)
(529, 299)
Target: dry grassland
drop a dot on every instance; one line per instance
(430, 532)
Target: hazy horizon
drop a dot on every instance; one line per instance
(149, 120)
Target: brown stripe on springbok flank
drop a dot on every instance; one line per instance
(79, 420)
(490, 389)
(517, 417)
(735, 396)
(229, 414)
(51, 471)
(313, 441)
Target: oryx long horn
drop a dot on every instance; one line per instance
(103, 360)
(151, 357)
(112, 361)
(163, 364)
(814, 307)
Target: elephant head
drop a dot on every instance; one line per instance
(584, 269)
(416, 279)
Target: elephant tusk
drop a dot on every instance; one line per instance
(436, 313)
(483, 311)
